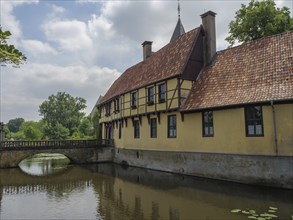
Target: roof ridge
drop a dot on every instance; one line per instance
(172, 42)
(154, 52)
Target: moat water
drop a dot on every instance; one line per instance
(50, 188)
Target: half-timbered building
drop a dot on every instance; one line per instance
(189, 109)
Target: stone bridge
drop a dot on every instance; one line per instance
(77, 151)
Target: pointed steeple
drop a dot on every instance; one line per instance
(179, 29)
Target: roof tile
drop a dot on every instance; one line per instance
(165, 63)
(254, 72)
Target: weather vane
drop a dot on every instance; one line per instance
(178, 9)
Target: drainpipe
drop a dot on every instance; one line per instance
(275, 128)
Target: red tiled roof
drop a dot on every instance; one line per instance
(165, 63)
(254, 72)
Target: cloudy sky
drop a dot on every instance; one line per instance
(81, 47)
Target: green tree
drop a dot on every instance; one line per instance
(33, 130)
(62, 109)
(85, 128)
(76, 136)
(257, 20)
(32, 133)
(8, 53)
(95, 122)
(16, 136)
(14, 124)
(7, 132)
(57, 132)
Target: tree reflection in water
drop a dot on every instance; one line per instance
(44, 164)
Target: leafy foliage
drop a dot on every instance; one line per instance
(95, 122)
(29, 130)
(14, 124)
(85, 128)
(57, 132)
(8, 53)
(62, 119)
(33, 130)
(257, 20)
(61, 112)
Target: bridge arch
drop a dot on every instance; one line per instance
(12, 159)
(52, 155)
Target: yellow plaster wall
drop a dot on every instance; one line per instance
(172, 93)
(229, 133)
(284, 128)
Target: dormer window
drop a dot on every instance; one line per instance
(134, 100)
(151, 95)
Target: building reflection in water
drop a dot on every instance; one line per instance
(111, 192)
(133, 193)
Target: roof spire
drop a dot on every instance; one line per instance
(179, 29)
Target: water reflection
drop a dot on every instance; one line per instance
(44, 164)
(144, 194)
(110, 192)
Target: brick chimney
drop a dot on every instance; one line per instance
(209, 27)
(147, 49)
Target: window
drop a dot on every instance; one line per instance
(172, 126)
(108, 108)
(207, 124)
(151, 93)
(120, 131)
(153, 127)
(99, 112)
(116, 105)
(253, 121)
(134, 99)
(162, 93)
(136, 128)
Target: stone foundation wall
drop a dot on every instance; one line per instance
(273, 171)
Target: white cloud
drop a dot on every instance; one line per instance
(37, 48)
(11, 23)
(57, 9)
(69, 35)
(27, 87)
(98, 25)
(77, 51)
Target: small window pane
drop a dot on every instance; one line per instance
(258, 129)
(251, 130)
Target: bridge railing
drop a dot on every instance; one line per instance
(56, 143)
